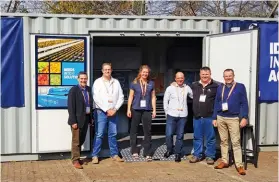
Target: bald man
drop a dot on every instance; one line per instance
(175, 106)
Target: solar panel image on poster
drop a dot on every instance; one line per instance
(60, 49)
(58, 62)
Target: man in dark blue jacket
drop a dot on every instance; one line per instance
(204, 92)
(230, 114)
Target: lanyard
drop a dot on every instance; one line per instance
(107, 88)
(143, 88)
(178, 98)
(229, 92)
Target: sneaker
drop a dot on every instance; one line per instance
(209, 161)
(95, 160)
(135, 156)
(117, 158)
(148, 158)
(194, 159)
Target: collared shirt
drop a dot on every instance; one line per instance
(175, 100)
(107, 94)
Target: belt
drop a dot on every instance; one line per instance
(201, 117)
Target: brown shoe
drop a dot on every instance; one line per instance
(77, 165)
(117, 158)
(221, 165)
(241, 170)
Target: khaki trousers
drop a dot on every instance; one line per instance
(225, 127)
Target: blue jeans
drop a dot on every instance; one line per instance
(203, 128)
(101, 121)
(175, 125)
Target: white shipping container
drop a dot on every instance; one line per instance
(166, 44)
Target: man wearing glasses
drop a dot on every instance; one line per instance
(108, 98)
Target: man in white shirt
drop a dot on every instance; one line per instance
(175, 106)
(108, 98)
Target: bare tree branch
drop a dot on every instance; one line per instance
(9, 6)
(272, 13)
(240, 8)
(16, 4)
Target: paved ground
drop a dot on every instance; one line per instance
(107, 170)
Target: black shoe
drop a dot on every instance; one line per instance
(167, 154)
(177, 158)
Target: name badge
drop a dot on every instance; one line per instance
(180, 109)
(87, 110)
(143, 103)
(202, 98)
(225, 106)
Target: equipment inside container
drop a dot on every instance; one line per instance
(164, 55)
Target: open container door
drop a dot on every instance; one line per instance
(56, 62)
(238, 51)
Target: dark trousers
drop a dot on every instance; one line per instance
(78, 138)
(146, 118)
(175, 125)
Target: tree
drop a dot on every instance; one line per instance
(96, 7)
(13, 6)
(238, 8)
(226, 8)
(76, 7)
(155, 7)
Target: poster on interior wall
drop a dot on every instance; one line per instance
(158, 79)
(58, 62)
(191, 77)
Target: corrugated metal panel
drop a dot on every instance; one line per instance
(268, 124)
(82, 25)
(16, 132)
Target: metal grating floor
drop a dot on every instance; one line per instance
(158, 155)
(158, 147)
